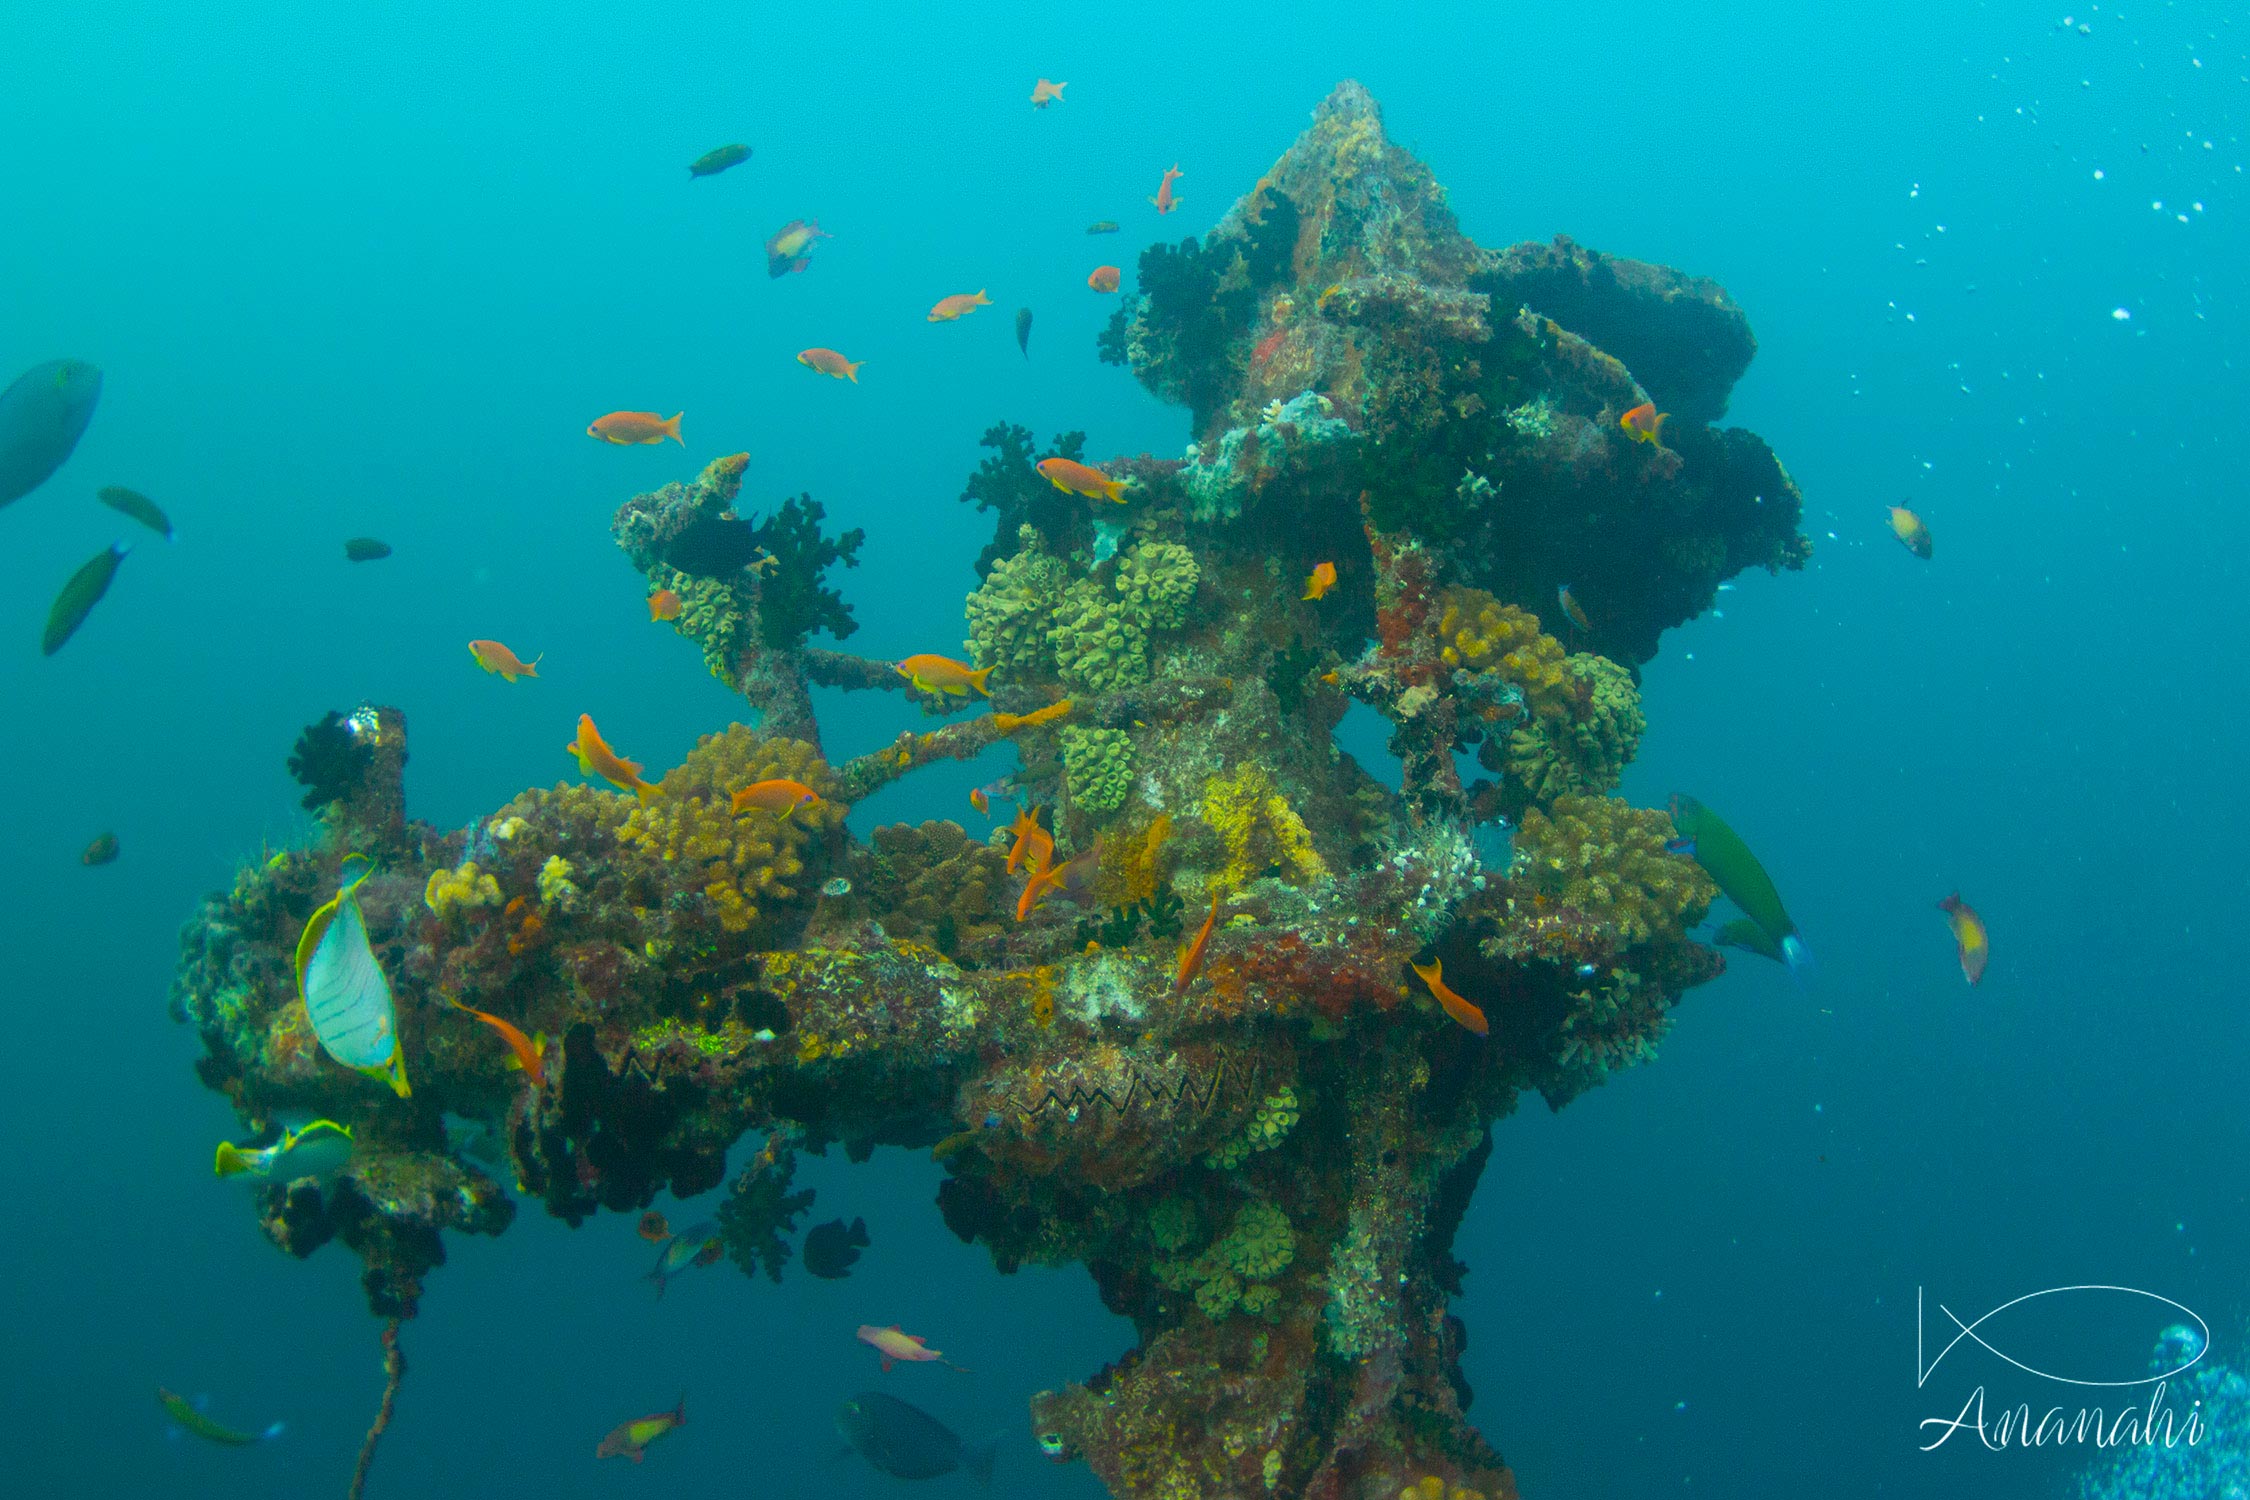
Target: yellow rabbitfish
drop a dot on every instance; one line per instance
(345, 992)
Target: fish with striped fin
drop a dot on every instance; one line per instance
(346, 994)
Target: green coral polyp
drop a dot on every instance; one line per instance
(1098, 766)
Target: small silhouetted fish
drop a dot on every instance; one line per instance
(1023, 331)
(713, 547)
(42, 416)
(1102, 226)
(79, 596)
(137, 505)
(906, 1442)
(366, 549)
(712, 163)
(101, 851)
(831, 1248)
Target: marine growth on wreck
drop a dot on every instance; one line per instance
(1261, 1154)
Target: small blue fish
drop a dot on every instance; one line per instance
(1681, 845)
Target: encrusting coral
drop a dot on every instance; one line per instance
(1201, 1065)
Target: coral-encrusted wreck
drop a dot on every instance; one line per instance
(1263, 1167)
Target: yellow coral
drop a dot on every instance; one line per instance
(555, 885)
(1261, 830)
(1606, 859)
(1010, 723)
(1483, 635)
(450, 892)
(746, 863)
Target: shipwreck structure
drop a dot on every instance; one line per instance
(1263, 1162)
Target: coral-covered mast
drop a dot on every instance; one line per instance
(1262, 1157)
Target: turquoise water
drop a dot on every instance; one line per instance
(374, 276)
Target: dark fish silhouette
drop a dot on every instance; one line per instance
(1023, 331)
(79, 596)
(1102, 226)
(906, 1442)
(42, 416)
(831, 1248)
(137, 505)
(366, 549)
(712, 163)
(102, 851)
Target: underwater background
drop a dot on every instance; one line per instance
(373, 274)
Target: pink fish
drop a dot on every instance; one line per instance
(895, 1346)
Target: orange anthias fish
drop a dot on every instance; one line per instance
(595, 758)
(959, 305)
(829, 362)
(981, 800)
(1074, 478)
(1908, 528)
(494, 657)
(1459, 1009)
(1570, 609)
(1071, 879)
(655, 1227)
(1322, 579)
(779, 796)
(942, 674)
(1645, 424)
(1968, 935)
(895, 1346)
(1033, 847)
(664, 605)
(1044, 93)
(790, 249)
(625, 428)
(1104, 279)
(631, 1439)
(1165, 200)
(530, 1052)
(1191, 957)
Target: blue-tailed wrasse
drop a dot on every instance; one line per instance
(318, 1149)
(189, 1418)
(1748, 936)
(365, 549)
(690, 1250)
(1467, 1016)
(1970, 941)
(1571, 610)
(79, 595)
(631, 1439)
(1728, 861)
(137, 505)
(716, 160)
(1023, 331)
(347, 996)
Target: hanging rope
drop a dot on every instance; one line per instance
(394, 1372)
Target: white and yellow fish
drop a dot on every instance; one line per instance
(317, 1149)
(346, 995)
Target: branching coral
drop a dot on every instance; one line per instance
(742, 864)
(1605, 858)
(1008, 481)
(329, 761)
(794, 598)
(1263, 834)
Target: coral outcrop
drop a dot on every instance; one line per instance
(1181, 1041)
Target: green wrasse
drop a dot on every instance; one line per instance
(137, 505)
(78, 598)
(191, 1420)
(1705, 836)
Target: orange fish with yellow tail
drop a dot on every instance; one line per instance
(494, 657)
(942, 674)
(664, 604)
(1323, 579)
(1070, 880)
(1191, 957)
(1166, 200)
(1033, 845)
(1074, 478)
(1645, 424)
(829, 362)
(595, 758)
(1105, 278)
(959, 305)
(1911, 532)
(530, 1052)
(626, 428)
(1467, 1015)
(1969, 936)
(779, 796)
